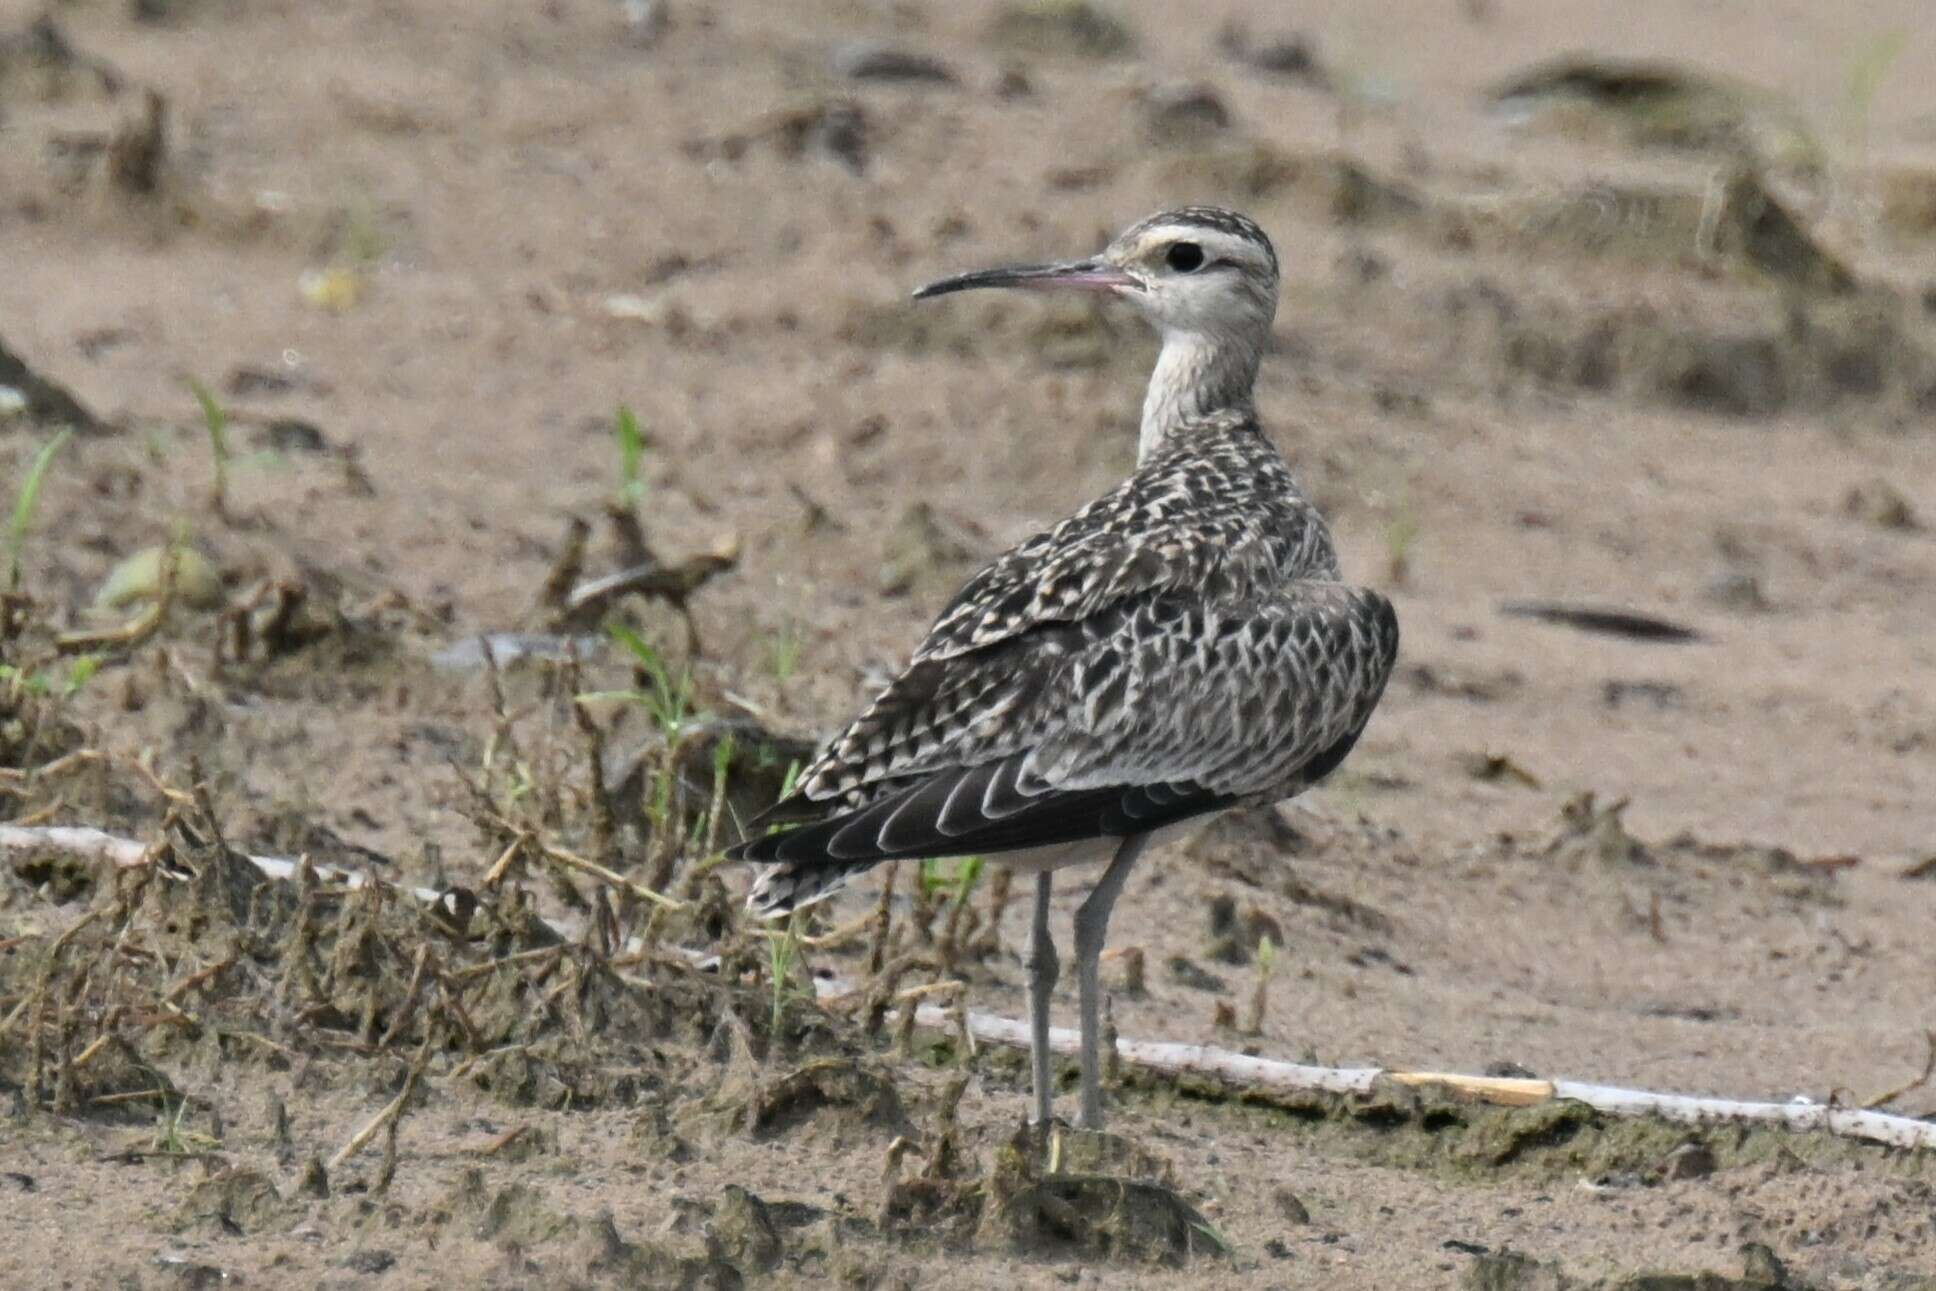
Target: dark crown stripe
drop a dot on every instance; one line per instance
(1216, 219)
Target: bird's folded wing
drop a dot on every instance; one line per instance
(1236, 697)
(1221, 516)
(1080, 567)
(1155, 710)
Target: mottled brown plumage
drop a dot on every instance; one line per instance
(1180, 645)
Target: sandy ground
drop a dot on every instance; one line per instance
(1509, 364)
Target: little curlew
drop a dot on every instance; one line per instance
(1181, 645)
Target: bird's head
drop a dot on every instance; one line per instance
(1197, 269)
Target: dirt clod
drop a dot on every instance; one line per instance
(1881, 504)
(1068, 27)
(1290, 1207)
(240, 1200)
(744, 1227)
(1184, 116)
(832, 1094)
(1688, 1161)
(1050, 1209)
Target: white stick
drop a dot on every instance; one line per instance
(1267, 1073)
(1797, 1114)
(1800, 1114)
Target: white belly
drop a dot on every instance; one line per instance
(1089, 851)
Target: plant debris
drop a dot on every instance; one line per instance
(871, 62)
(1630, 624)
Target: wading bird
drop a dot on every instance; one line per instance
(1181, 645)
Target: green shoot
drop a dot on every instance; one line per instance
(27, 501)
(172, 1138)
(522, 784)
(1212, 1234)
(662, 784)
(631, 459)
(22, 682)
(787, 785)
(79, 673)
(782, 965)
(955, 882)
(667, 698)
(955, 887)
(1260, 998)
(216, 419)
(783, 651)
(967, 877)
(168, 1129)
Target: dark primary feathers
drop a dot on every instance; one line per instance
(1180, 645)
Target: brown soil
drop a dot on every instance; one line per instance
(1585, 357)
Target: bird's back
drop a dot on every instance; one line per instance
(1215, 511)
(1178, 645)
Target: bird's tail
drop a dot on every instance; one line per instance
(790, 885)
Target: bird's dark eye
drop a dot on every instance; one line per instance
(1184, 257)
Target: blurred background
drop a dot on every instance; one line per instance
(1608, 343)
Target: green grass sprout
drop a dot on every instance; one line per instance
(782, 963)
(27, 501)
(79, 672)
(783, 651)
(216, 419)
(631, 458)
(667, 697)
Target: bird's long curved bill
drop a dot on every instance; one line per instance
(1077, 275)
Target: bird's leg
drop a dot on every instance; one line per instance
(1042, 969)
(1092, 925)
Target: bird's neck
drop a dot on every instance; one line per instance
(1197, 373)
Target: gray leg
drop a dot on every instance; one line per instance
(1092, 925)
(1042, 970)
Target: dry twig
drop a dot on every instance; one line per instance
(389, 1114)
(1929, 1069)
